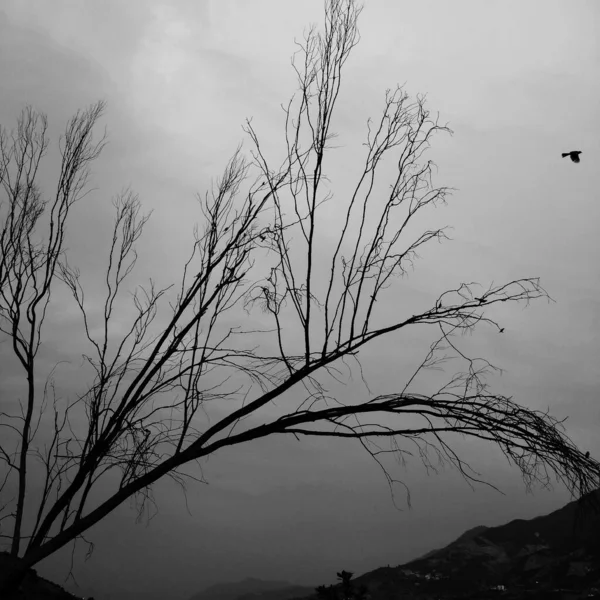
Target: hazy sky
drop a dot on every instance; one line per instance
(516, 81)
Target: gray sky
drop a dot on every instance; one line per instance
(517, 82)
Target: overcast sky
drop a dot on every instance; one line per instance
(518, 84)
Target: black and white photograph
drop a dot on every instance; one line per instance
(299, 299)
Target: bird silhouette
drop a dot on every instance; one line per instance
(574, 154)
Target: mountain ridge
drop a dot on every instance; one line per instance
(556, 555)
(556, 551)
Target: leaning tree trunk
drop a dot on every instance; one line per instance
(12, 575)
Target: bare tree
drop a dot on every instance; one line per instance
(262, 248)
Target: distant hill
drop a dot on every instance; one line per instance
(559, 551)
(470, 534)
(556, 556)
(467, 535)
(549, 549)
(253, 589)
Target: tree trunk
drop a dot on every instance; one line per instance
(12, 575)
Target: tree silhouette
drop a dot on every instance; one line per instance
(346, 590)
(140, 418)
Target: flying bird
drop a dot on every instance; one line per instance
(574, 154)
